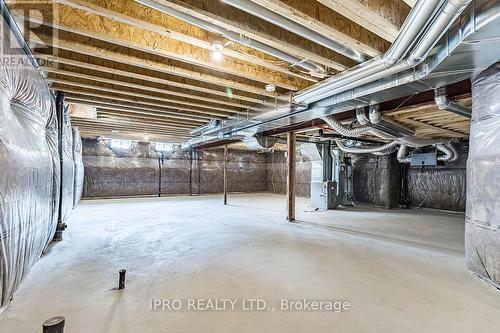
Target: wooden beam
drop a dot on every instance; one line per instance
(142, 86)
(136, 15)
(329, 23)
(96, 96)
(88, 133)
(121, 115)
(226, 17)
(53, 61)
(116, 123)
(411, 3)
(147, 113)
(142, 109)
(291, 176)
(97, 86)
(437, 129)
(137, 128)
(382, 17)
(97, 27)
(225, 175)
(96, 49)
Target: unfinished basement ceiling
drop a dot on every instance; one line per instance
(149, 72)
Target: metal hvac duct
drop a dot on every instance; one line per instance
(287, 24)
(231, 35)
(469, 46)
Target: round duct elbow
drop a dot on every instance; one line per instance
(374, 113)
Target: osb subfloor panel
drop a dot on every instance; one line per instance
(401, 271)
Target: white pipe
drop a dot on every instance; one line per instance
(287, 24)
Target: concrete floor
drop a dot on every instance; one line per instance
(401, 271)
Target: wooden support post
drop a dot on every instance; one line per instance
(225, 175)
(290, 182)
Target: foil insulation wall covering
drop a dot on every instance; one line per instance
(376, 179)
(142, 171)
(68, 168)
(277, 171)
(29, 166)
(482, 216)
(78, 160)
(440, 187)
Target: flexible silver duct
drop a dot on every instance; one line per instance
(361, 116)
(402, 154)
(386, 152)
(353, 150)
(344, 130)
(292, 26)
(448, 152)
(231, 35)
(444, 103)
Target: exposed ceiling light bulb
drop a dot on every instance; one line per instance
(270, 88)
(217, 49)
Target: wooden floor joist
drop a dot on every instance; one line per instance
(143, 84)
(53, 61)
(80, 84)
(179, 116)
(97, 49)
(160, 109)
(382, 17)
(323, 20)
(97, 27)
(124, 100)
(226, 17)
(134, 14)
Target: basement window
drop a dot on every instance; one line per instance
(120, 144)
(164, 146)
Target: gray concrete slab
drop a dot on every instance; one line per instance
(401, 271)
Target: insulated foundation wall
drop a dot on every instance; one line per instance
(277, 171)
(143, 171)
(482, 216)
(29, 165)
(442, 187)
(376, 179)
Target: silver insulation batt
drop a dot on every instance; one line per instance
(29, 166)
(78, 160)
(482, 228)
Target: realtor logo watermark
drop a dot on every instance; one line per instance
(248, 304)
(31, 21)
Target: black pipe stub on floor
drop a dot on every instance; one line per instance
(121, 281)
(54, 325)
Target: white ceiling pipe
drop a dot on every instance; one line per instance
(287, 24)
(231, 35)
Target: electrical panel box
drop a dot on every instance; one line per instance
(425, 159)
